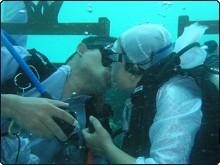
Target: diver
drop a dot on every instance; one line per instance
(164, 113)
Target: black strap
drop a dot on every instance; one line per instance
(41, 67)
(188, 47)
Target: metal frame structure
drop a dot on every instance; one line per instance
(43, 20)
(184, 21)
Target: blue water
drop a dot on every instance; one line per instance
(122, 15)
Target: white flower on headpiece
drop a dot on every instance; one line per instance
(195, 56)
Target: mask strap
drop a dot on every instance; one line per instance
(126, 59)
(120, 45)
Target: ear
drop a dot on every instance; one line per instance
(132, 77)
(135, 78)
(81, 48)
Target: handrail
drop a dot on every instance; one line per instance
(43, 20)
(184, 21)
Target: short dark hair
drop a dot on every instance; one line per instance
(96, 42)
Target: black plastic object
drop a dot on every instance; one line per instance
(104, 117)
(91, 128)
(67, 128)
(212, 46)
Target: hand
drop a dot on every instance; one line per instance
(35, 114)
(98, 141)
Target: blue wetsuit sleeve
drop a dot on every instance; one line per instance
(176, 122)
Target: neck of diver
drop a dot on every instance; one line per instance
(77, 81)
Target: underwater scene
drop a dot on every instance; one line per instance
(151, 78)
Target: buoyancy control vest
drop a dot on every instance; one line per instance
(136, 140)
(206, 148)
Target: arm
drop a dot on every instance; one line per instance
(34, 114)
(176, 122)
(172, 134)
(100, 143)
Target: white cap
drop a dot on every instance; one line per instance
(145, 45)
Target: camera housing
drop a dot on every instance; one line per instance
(67, 128)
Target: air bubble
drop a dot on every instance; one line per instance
(89, 10)
(22, 11)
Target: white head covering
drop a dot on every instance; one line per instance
(145, 45)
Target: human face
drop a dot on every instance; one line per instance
(98, 76)
(121, 78)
